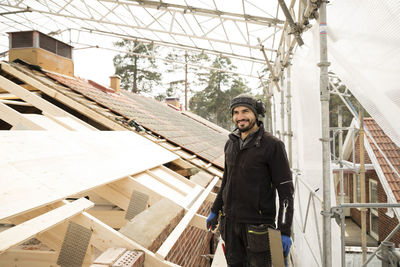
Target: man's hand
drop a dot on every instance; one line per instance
(286, 244)
(212, 221)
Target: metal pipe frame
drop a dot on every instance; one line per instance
(178, 46)
(104, 21)
(324, 88)
(342, 229)
(214, 13)
(289, 115)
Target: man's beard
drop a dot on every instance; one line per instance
(243, 130)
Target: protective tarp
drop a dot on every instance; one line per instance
(307, 156)
(364, 50)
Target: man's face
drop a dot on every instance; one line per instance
(244, 118)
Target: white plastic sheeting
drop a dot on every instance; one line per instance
(364, 49)
(307, 154)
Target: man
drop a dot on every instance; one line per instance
(256, 166)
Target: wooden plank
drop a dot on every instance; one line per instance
(165, 248)
(114, 218)
(52, 238)
(44, 122)
(38, 102)
(17, 103)
(192, 196)
(8, 96)
(211, 197)
(28, 258)
(67, 122)
(109, 256)
(114, 195)
(130, 184)
(63, 98)
(168, 181)
(14, 118)
(29, 229)
(199, 221)
(164, 190)
(33, 258)
(178, 176)
(48, 166)
(104, 237)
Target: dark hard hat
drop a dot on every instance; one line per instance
(249, 101)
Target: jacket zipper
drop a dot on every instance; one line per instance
(285, 206)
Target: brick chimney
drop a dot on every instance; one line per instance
(173, 102)
(115, 81)
(39, 49)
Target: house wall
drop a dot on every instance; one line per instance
(355, 214)
(185, 253)
(367, 160)
(386, 223)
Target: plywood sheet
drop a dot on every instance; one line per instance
(41, 167)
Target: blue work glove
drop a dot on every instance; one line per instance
(212, 221)
(286, 244)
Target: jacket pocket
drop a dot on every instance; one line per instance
(222, 227)
(257, 237)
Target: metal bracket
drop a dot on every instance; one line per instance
(337, 213)
(74, 246)
(137, 204)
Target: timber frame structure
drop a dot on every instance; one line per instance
(118, 186)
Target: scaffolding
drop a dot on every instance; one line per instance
(269, 36)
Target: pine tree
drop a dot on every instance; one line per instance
(138, 73)
(213, 101)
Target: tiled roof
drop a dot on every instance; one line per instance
(154, 116)
(392, 152)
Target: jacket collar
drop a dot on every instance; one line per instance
(235, 134)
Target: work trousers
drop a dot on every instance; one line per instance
(246, 245)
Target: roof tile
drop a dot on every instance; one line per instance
(392, 152)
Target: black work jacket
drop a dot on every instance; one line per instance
(252, 175)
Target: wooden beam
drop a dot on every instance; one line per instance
(52, 238)
(177, 175)
(211, 197)
(113, 194)
(199, 221)
(129, 184)
(63, 98)
(16, 103)
(165, 248)
(8, 96)
(104, 237)
(33, 258)
(37, 101)
(113, 218)
(14, 118)
(28, 258)
(29, 229)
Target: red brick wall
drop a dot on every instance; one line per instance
(367, 160)
(356, 213)
(191, 245)
(194, 244)
(386, 224)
